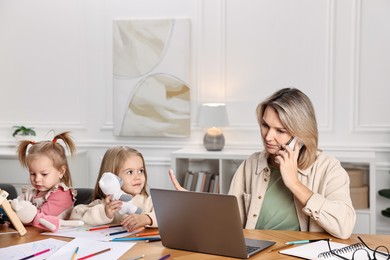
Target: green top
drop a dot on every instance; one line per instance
(278, 209)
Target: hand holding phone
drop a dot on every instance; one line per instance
(292, 142)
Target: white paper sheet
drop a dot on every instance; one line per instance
(87, 247)
(99, 235)
(27, 249)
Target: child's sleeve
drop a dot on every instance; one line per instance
(58, 202)
(93, 214)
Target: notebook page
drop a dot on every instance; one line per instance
(312, 250)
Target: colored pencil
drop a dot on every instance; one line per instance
(135, 239)
(36, 254)
(137, 257)
(117, 233)
(103, 227)
(75, 253)
(135, 231)
(145, 234)
(164, 257)
(93, 254)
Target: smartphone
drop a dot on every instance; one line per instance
(292, 142)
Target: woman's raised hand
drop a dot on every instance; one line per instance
(174, 181)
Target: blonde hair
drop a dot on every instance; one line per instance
(50, 148)
(112, 161)
(296, 112)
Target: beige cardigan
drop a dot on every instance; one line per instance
(329, 208)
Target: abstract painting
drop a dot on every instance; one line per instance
(151, 72)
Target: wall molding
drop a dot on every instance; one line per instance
(330, 85)
(45, 125)
(356, 125)
(383, 166)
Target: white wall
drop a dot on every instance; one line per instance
(55, 71)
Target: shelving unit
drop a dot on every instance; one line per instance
(226, 162)
(365, 218)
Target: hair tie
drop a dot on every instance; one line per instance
(54, 140)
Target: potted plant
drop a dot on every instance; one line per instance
(23, 132)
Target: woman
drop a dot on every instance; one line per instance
(299, 188)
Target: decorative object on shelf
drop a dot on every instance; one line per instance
(23, 132)
(385, 193)
(212, 116)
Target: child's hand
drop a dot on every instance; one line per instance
(134, 221)
(111, 206)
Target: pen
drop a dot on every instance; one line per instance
(304, 241)
(135, 239)
(164, 257)
(93, 254)
(117, 233)
(36, 254)
(102, 227)
(75, 253)
(137, 257)
(135, 231)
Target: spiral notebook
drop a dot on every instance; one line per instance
(320, 250)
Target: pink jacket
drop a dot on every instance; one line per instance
(56, 204)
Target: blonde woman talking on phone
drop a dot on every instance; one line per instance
(291, 184)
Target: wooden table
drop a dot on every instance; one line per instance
(155, 250)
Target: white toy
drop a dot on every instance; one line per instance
(111, 184)
(26, 212)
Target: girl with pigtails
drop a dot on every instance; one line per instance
(51, 192)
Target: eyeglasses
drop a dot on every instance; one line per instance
(362, 251)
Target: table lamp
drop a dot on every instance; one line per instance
(212, 116)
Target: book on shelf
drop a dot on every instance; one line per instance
(201, 181)
(214, 184)
(207, 181)
(190, 180)
(194, 181)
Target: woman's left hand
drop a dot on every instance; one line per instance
(288, 162)
(175, 181)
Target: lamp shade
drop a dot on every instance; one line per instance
(213, 115)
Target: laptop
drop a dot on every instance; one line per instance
(203, 222)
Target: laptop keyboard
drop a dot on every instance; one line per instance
(250, 249)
